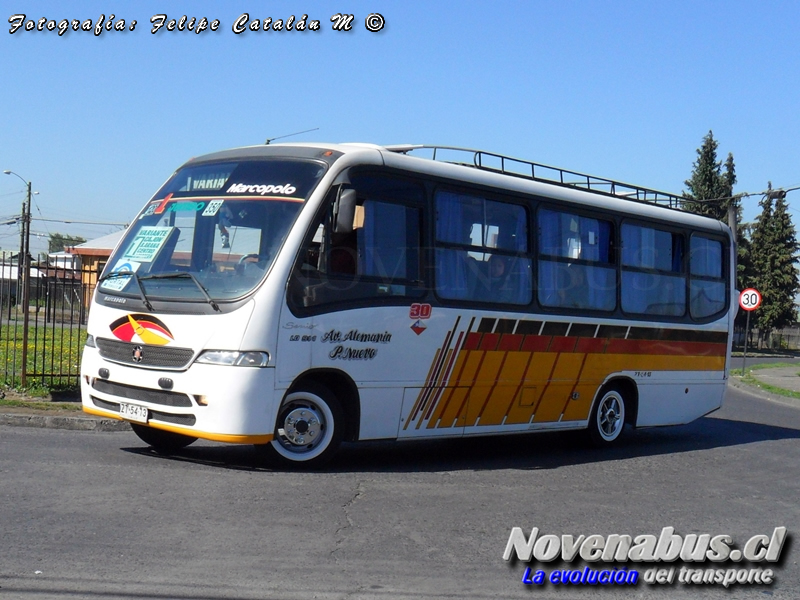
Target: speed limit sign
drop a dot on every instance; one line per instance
(750, 299)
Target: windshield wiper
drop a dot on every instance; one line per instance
(187, 275)
(133, 274)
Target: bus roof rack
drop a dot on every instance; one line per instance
(517, 167)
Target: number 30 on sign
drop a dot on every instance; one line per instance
(750, 299)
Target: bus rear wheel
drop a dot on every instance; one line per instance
(163, 442)
(607, 422)
(308, 430)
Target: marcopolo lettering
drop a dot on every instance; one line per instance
(242, 188)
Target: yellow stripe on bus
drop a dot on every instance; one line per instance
(490, 387)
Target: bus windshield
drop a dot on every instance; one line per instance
(212, 231)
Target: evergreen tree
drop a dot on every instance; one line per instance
(710, 193)
(710, 190)
(745, 276)
(775, 248)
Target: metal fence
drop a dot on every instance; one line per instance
(778, 339)
(58, 302)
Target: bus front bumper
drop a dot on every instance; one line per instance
(219, 403)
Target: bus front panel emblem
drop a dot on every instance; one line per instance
(137, 354)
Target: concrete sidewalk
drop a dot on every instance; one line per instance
(787, 378)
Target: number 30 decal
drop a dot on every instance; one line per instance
(420, 311)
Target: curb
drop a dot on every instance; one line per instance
(761, 393)
(61, 422)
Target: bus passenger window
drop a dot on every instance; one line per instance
(707, 288)
(482, 250)
(653, 282)
(576, 262)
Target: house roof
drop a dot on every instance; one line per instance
(102, 246)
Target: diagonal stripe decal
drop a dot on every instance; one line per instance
(517, 371)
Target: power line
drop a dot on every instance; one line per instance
(39, 210)
(744, 195)
(81, 222)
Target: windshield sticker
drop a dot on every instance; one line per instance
(163, 204)
(211, 181)
(160, 207)
(141, 328)
(186, 206)
(119, 282)
(212, 208)
(147, 243)
(241, 188)
(151, 209)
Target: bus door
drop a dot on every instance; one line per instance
(357, 277)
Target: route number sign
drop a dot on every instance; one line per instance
(750, 299)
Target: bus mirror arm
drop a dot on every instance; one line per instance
(344, 211)
(342, 178)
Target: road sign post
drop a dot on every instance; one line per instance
(749, 300)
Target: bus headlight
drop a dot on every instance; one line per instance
(90, 341)
(233, 359)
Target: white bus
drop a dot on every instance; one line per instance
(295, 296)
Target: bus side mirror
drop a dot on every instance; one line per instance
(344, 212)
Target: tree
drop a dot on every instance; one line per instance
(710, 189)
(774, 253)
(58, 242)
(710, 193)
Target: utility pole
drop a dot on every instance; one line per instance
(26, 288)
(25, 279)
(733, 225)
(21, 254)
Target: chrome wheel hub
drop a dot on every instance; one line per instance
(302, 426)
(609, 416)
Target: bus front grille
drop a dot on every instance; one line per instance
(105, 404)
(188, 420)
(131, 392)
(143, 355)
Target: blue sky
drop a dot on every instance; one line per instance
(624, 90)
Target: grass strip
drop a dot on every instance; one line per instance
(73, 406)
(750, 380)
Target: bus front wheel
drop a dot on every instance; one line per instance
(163, 442)
(308, 430)
(607, 421)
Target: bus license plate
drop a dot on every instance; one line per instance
(133, 412)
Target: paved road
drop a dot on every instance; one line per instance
(97, 515)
